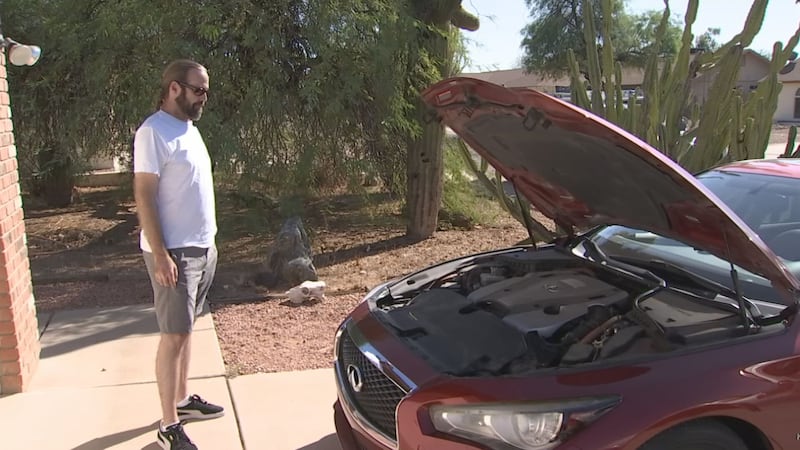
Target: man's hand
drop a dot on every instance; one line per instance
(166, 271)
(145, 189)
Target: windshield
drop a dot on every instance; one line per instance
(770, 205)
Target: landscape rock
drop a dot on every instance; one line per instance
(289, 260)
(307, 290)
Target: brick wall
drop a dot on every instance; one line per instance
(19, 336)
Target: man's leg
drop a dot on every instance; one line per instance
(175, 315)
(204, 276)
(182, 391)
(169, 372)
(175, 323)
(198, 267)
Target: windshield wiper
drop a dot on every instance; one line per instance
(593, 251)
(675, 269)
(734, 294)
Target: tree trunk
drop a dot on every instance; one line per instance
(57, 179)
(426, 156)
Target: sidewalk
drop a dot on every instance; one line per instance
(95, 389)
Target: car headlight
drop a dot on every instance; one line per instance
(527, 426)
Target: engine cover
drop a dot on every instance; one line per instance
(544, 301)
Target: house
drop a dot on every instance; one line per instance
(789, 97)
(105, 170)
(516, 78)
(754, 68)
(559, 87)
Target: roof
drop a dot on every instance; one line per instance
(513, 78)
(782, 167)
(792, 73)
(517, 78)
(521, 78)
(755, 54)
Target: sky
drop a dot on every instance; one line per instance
(496, 45)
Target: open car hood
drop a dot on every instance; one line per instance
(581, 171)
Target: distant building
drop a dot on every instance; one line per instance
(632, 78)
(754, 68)
(789, 98)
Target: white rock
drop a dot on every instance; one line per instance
(305, 291)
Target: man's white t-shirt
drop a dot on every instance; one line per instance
(174, 150)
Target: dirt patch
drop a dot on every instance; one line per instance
(277, 336)
(274, 335)
(779, 134)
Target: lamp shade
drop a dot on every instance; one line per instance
(24, 55)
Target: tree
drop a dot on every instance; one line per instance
(638, 37)
(707, 41)
(305, 95)
(558, 25)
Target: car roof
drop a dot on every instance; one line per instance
(783, 167)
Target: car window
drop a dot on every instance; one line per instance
(757, 199)
(770, 205)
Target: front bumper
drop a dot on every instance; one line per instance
(350, 438)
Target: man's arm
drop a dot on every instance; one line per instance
(145, 190)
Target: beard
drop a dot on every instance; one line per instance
(192, 110)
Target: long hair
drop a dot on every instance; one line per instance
(176, 71)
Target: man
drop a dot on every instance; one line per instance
(174, 194)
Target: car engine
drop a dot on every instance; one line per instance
(512, 313)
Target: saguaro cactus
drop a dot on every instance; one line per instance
(425, 153)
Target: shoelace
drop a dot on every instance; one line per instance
(197, 398)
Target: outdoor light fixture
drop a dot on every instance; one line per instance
(20, 54)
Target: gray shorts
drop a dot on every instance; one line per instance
(176, 308)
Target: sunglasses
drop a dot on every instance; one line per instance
(197, 90)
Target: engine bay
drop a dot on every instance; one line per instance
(512, 313)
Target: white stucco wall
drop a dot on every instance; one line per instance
(785, 110)
(753, 69)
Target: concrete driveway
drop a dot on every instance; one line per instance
(95, 389)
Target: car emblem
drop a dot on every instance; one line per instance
(355, 378)
(551, 287)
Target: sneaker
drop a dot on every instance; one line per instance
(174, 438)
(199, 409)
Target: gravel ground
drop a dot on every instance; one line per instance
(274, 335)
(262, 332)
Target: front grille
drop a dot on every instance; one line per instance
(379, 396)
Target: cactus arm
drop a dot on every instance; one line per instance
(790, 142)
(577, 84)
(496, 186)
(593, 60)
(622, 114)
(609, 84)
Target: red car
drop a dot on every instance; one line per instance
(662, 315)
